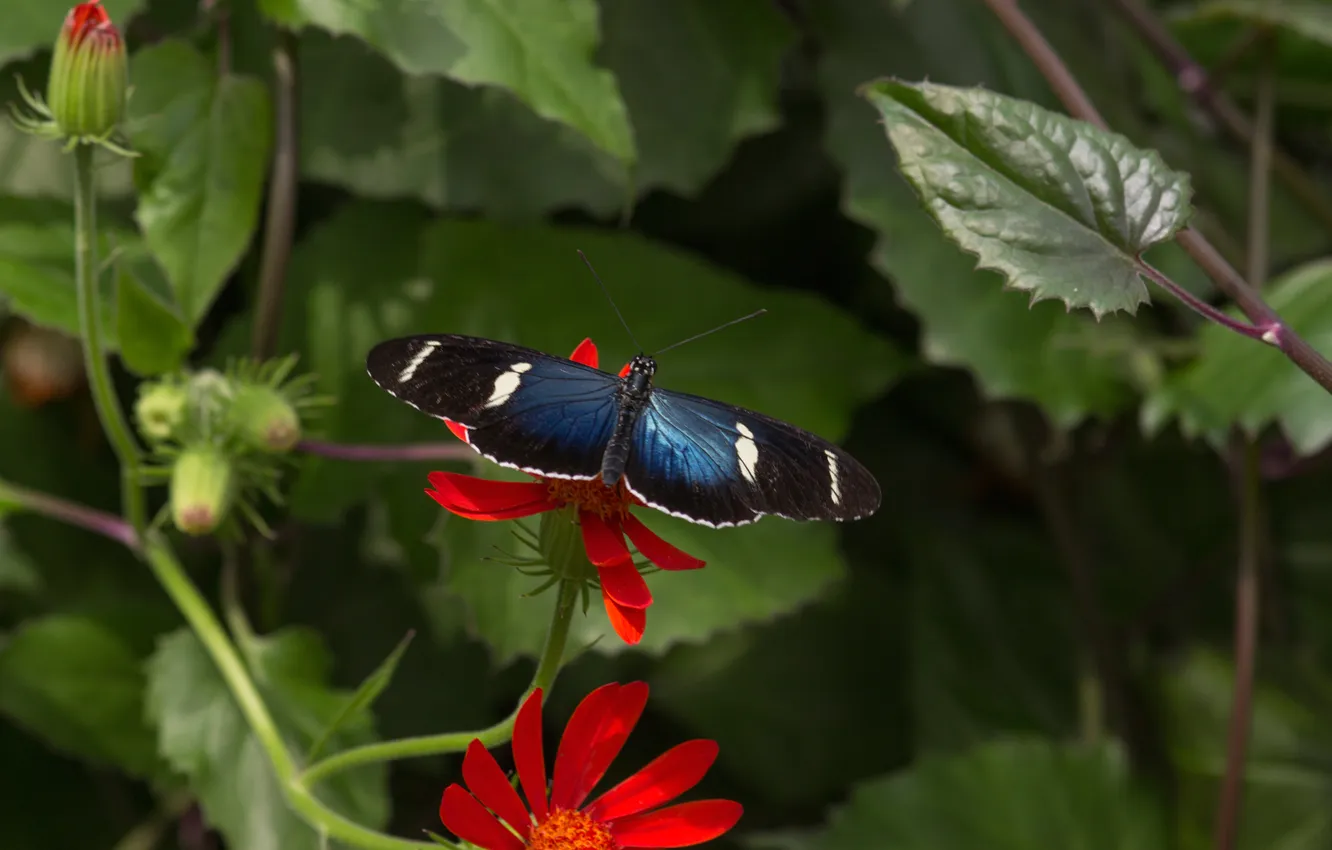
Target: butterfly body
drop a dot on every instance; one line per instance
(692, 457)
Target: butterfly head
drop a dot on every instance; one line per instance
(642, 365)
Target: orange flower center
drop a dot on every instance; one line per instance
(593, 496)
(568, 829)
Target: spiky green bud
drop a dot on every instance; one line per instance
(264, 418)
(160, 410)
(203, 488)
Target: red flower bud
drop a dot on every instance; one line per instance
(89, 74)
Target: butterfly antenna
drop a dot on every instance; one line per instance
(614, 306)
(752, 315)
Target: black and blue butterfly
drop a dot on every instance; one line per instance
(704, 461)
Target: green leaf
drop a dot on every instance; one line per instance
(1311, 19)
(383, 134)
(1061, 208)
(526, 284)
(539, 50)
(154, 339)
(1286, 778)
(33, 24)
(202, 733)
(37, 264)
(204, 142)
(1239, 381)
(753, 575)
(697, 77)
(364, 698)
(1008, 795)
(74, 683)
(1039, 352)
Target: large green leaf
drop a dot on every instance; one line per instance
(1061, 208)
(540, 50)
(697, 77)
(1287, 781)
(204, 142)
(37, 264)
(1039, 352)
(202, 733)
(34, 24)
(1237, 381)
(154, 338)
(526, 284)
(75, 684)
(384, 134)
(1018, 794)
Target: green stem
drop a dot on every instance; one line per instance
(251, 704)
(94, 350)
(454, 742)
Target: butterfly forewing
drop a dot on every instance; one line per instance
(720, 465)
(522, 408)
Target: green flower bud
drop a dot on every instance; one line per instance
(203, 487)
(264, 418)
(89, 78)
(160, 410)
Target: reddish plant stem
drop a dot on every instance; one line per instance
(1252, 521)
(1273, 330)
(406, 451)
(280, 215)
(72, 513)
(1194, 80)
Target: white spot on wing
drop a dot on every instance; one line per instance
(746, 452)
(507, 384)
(835, 488)
(417, 359)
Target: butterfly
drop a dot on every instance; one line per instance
(701, 460)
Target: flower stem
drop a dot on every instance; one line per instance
(454, 742)
(94, 351)
(280, 223)
(209, 630)
(107, 525)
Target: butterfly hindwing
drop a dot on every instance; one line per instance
(720, 465)
(521, 408)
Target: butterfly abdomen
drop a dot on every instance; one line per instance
(633, 395)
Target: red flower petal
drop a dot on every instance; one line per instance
(469, 820)
(489, 785)
(481, 498)
(603, 541)
(656, 550)
(677, 826)
(629, 623)
(459, 431)
(624, 370)
(577, 740)
(585, 353)
(596, 732)
(529, 757)
(622, 583)
(665, 778)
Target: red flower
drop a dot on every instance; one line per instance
(603, 514)
(626, 816)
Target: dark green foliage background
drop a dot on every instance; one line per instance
(922, 679)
